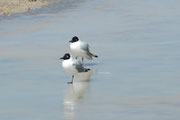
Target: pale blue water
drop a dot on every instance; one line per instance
(136, 77)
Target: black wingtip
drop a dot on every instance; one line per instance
(87, 70)
(96, 56)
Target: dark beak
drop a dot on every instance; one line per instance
(61, 58)
(70, 41)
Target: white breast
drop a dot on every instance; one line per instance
(68, 66)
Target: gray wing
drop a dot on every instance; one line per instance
(85, 47)
(78, 66)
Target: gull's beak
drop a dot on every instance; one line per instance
(70, 41)
(61, 58)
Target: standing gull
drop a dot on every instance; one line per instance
(72, 66)
(80, 49)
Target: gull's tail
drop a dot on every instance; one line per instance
(90, 55)
(93, 55)
(86, 70)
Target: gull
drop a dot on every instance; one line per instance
(80, 49)
(72, 66)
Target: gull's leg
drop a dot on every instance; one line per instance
(82, 60)
(72, 80)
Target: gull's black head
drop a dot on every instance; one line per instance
(66, 56)
(74, 39)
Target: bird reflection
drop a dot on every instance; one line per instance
(76, 93)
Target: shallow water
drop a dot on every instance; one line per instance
(135, 77)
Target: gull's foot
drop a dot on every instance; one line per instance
(69, 82)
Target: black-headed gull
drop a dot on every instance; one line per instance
(72, 66)
(80, 49)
